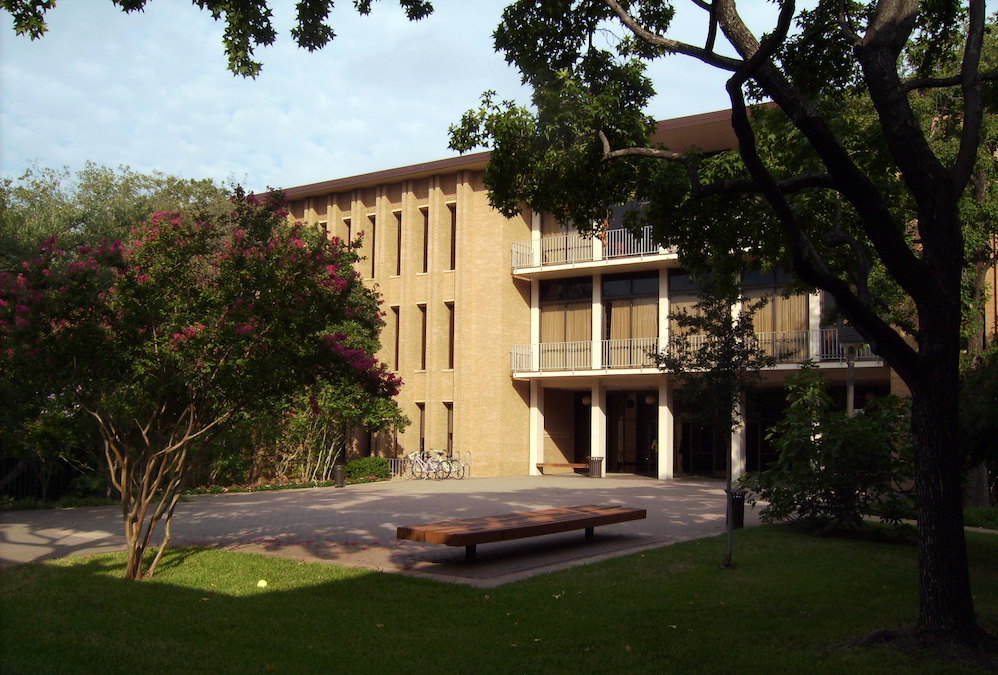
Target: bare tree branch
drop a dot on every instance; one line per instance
(707, 56)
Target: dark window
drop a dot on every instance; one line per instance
(450, 334)
(453, 235)
(422, 342)
(396, 336)
(450, 428)
(425, 215)
(566, 290)
(398, 242)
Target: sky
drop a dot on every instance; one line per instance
(151, 90)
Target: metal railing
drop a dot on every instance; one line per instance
(786, 346)
(573, 247)
(629, 353)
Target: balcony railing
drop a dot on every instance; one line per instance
(638, 353)
(570, 248)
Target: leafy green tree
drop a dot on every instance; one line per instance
(717, 360)
(165, 338)
(834, 469)
(313, 436)
(248, 23)
(95, 203)
(889, 198)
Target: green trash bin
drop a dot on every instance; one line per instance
(595, 467)
(737, 498)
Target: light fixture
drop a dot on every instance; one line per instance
(650, 399)
(587, 400)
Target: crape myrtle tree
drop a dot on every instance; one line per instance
(893, 198)
(43, 434)
(164, 338)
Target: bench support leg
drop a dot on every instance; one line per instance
(469, 553)
(590, 534)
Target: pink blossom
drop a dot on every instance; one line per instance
(21, 322)
(244, 328)
(21, 309)
(143, 278)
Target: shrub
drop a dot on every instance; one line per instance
(362, 467)
(833, 469)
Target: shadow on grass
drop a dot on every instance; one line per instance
(663, 610)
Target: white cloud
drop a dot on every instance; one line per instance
(152, 91)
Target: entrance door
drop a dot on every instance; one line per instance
(632, 429)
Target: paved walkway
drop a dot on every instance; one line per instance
(355, 525)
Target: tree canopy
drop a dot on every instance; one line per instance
(248, 23)
(867, 159)
(164, 338)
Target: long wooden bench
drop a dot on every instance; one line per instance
(562, 465)
(469, 532)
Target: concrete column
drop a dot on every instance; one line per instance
(535, 325)
(814, 325)
(738, 443)
(597, 437)
(597, 322)
(536, 426)
(666, 434)
(535, 239)
(663, 310)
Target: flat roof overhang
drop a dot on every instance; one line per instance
(709, 132)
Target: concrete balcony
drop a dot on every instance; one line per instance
(637, 354)
(573, 251)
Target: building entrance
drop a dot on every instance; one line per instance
(632, 431)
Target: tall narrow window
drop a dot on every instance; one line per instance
(324, 226)
(422, 341)
(348, 229)
(450, 334)
(453, 235)
(422, 426)
(398, 242)
(396, 337)
(371, 239)
(450, 428)
(424, 214)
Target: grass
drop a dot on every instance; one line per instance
(981, 516)
(661, 611)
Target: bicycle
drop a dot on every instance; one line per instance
(457, 467)
(423, 467)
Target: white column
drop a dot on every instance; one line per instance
(814, 325)
(597, 322)
(663, 309)
(535, 325)
(597, 436)
(535, 240)
(666, 435)
(738, 443)
(536, 426)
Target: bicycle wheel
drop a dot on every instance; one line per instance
(439, 470)
(457, 469)
(418, 469)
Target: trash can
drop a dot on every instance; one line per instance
(339, 475)
(595, 467)
(737, 509)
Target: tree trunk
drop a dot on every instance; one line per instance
(946, 604)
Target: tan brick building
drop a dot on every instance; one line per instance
(521, 342)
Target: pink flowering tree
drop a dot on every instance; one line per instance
(165, 338)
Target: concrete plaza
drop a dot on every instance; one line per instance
(355, 525)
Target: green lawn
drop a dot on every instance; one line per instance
(668, 610)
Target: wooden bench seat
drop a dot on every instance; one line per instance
(469, 532)
(562, 465)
